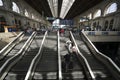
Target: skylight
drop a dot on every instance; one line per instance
(66, 5)
(54, 7)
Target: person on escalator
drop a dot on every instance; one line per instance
(71, 47)
(68, 62)
(73, 51)
(63, 66)
(68, 45)
(61, 32)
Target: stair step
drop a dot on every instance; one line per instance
(47, 75)
(15, 76)
(74, 75)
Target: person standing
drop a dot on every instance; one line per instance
(61, 32)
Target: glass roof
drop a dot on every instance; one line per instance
(54, 7)
(66, 5)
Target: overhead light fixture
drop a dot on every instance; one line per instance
(54, 7)
(66, 5)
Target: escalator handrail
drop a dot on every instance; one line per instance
(101, 54)
(8, 47)
(13, 60)
(35, 60)
(59, 58)
(85, 60)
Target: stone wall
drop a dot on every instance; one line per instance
(22, 20)
(101, 20)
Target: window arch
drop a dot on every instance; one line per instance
(97, 13)
(26, 13)
(1, 3)
(15, 7)
(111, 8)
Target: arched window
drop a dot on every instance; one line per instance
(15, 7)
(26, 13)
(111, 8)
(1, 3)
(90, 16)
(97, 13)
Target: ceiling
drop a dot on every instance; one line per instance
(77, 8)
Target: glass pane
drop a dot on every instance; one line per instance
(66, 5)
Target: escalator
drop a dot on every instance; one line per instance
(19, 70)
(15, 49)
(47, 66)
(99, 69)
(77, 72)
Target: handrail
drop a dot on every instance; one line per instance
(103, 58)
(84, 59)
(13, 60)
(59, 58)
(35, 61)
(8, 47)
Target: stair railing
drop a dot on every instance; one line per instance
(88, 71)
(108, 62)
(13, 60)
(35, 61)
